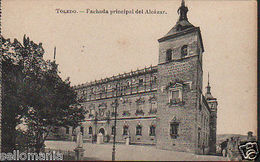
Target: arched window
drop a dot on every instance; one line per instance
(139, 130)
(168, 55)
(90, 130)
(125, 130)
(152, 130)
(82, 130)
(184, 51)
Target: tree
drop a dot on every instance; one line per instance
(40, 99)
(12, 89)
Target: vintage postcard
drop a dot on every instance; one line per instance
(129, 80)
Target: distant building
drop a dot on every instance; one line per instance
(161, 105)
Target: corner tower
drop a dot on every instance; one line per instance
(179, 85)
(213, 105)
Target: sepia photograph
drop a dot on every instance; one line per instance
(128, 80)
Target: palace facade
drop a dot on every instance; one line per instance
(160, 105)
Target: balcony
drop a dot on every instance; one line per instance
(126, 113)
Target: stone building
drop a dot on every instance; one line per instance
(161, 105)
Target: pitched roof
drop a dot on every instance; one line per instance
(180, 26)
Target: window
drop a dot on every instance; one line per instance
(67, 130)
(139, 130)
(175, 97)
(152, 130)
(90, 130)
(125, 130)
(175, 94)
(113, 130)
(82, 130)
(168, 55)
(153, 109)
(184, 51)
(174, 129)
(154, 79)
(141, 81)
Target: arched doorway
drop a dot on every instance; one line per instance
(101, 136)
(102, 130)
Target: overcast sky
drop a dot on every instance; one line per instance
(96, 46)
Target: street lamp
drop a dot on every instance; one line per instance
(115, 105)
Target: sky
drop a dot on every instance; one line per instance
(95, 46)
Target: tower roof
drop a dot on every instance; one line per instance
(183, 22)
(208, 94)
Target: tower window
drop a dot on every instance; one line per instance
(184, 51)
(152, 130)
(125, 130)
(169, 55)
(174, 129)
(175, 96)
(139, 130)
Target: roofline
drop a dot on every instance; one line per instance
(186, 31)
(151, 69)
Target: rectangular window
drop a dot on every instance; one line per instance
(175, 94)
(67, 130)
(174, 130)
(175, 97)
(141, 81)
(153, 79)
(152, 130)
(125, 130)
(90, 130)
(113, 130)
(139, 130)
(82, 130)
